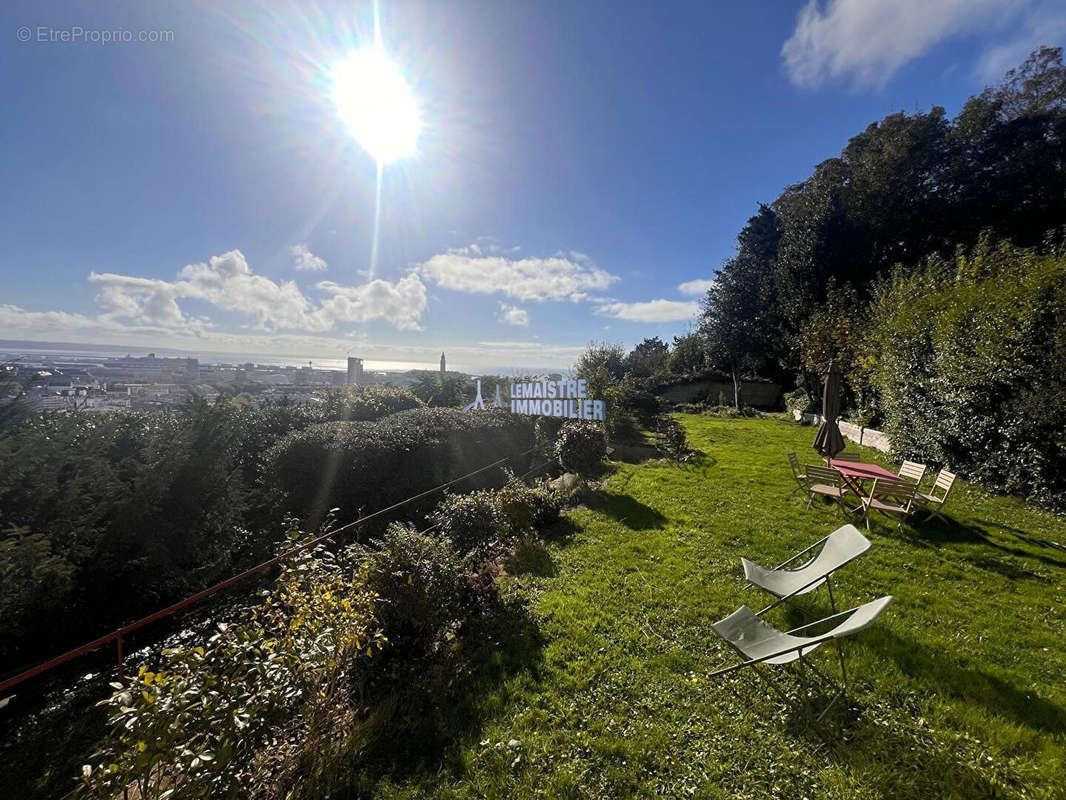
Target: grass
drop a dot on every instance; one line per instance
(956, 692)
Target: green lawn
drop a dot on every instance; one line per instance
(956, 692)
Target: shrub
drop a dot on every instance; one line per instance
(581, 446)
(528, 508)
(472, 521)
(798, 400)
(368, 403)
(672, 439)
(358, 466)
(193, 728)
(420, 583)
(972, 367)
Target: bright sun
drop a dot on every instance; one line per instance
(378, 106)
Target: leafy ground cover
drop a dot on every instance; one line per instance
(957, 692)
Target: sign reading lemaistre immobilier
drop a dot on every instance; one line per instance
(555, 399)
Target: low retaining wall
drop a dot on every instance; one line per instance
(752, 393)
(867, 437)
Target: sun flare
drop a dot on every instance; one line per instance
(375, 101)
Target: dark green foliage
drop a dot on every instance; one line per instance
(421, 586)
(647, 359)
(368, 403)
(35, 582)
(581, 446)
(688, 357)
(143, 507)
(198, 726)
(359, 467)
(527, 509)
(907, 187)
(672, 440)
(444, 391)
(971, 367)
(473, 522)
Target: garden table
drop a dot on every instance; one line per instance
(855, 472)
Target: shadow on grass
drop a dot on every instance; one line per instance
(426, 713)
(951, 531)
(627, 510)
(531, 557)
(969, 684)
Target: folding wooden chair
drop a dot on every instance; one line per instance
(827, 482)
(891, 498)
(912, 471)
(847, 455)
(932, 502)
(797, 474)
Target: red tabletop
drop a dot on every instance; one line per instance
(861, 471)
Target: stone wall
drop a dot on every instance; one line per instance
(752, 393)
(867, 437)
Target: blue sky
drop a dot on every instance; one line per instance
(583, 167)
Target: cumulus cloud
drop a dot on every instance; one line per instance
(650, 310)
(697, 287)
(401, 303)
(306, 261)
(866, 41)
(471, 269)
(512, 315)
(228, 283)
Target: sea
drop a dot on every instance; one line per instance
(11, 349)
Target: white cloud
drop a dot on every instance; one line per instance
(697, 287)
(1045, 24)
(401, 303)
(512, 315)
(306, 261)
(866, 41)
(128, 302)
(650, 310)
(469, 269)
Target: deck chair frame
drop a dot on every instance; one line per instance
(802, 659)
(827, 577)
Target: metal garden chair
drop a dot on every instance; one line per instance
(841, 547)
(757, 642)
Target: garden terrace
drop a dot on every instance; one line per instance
(955, 692)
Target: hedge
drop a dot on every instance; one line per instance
(971, 368)
(359, 467)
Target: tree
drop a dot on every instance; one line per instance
(602, 365)
(731, 326)
(647, 359)
(688, 356)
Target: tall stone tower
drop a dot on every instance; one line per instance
(442, 367)
(355, 371)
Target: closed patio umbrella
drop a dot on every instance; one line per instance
(828, 442)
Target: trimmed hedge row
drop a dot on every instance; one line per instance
(363, 466)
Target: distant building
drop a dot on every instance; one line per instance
(443, 369)
(355, 371)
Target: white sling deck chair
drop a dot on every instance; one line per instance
(841, 547)
(758, 642)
